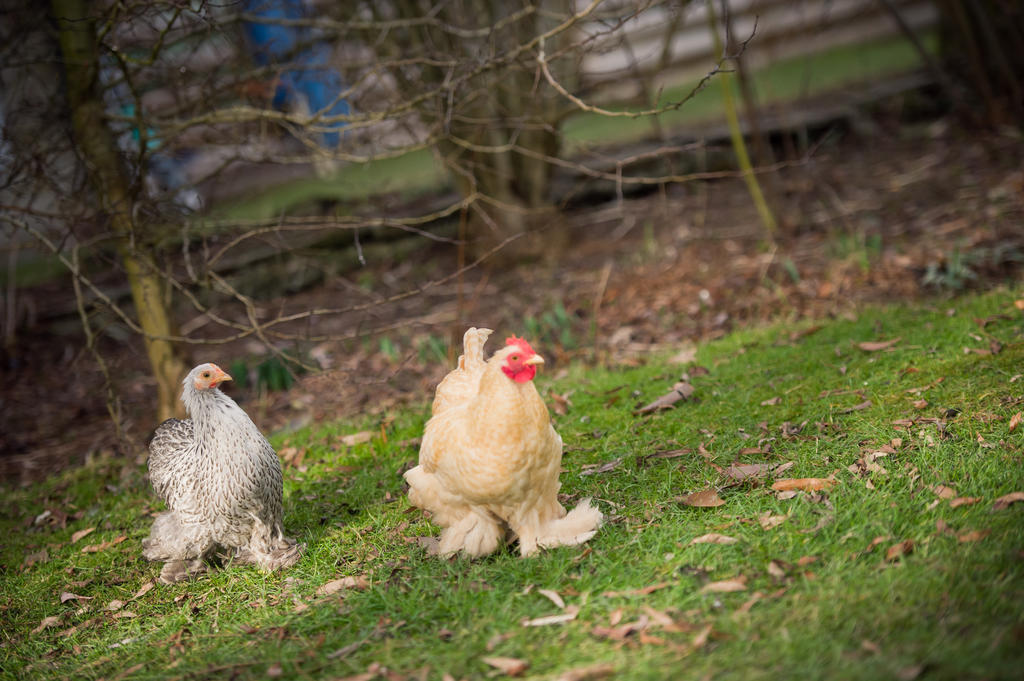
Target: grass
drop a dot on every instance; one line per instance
(786, 80)
(830, 606)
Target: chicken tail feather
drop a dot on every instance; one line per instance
(473, 347)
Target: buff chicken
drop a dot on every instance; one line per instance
(222, 483)
(489, 458)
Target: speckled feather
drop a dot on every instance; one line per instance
(221, 481)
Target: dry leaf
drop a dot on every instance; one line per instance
(771, 402)
(143, 590)
(507, 665)
(776, 569)
(637, 592)
(1007, 499)
(713, 538)
(680, 391)
(920, 404)
(903, 548)
(66, 596)
(1015, 420)
(51, 621)
(857, 407)
(335, 585)
(115, 605)
(553, 597)
(620, 633)
(684, 356)
(875, 346)
(561, 618)
(748, 471)
(593, 469)
(803, 484)
(769, 521)
(726, 585)
(972, 535)
(103, 546)
(875, 542)
(787, 494)
(81, 533)
(1019, 304)
(701, 639)
(706, 498)
(963, 501)
(591, 673)
(125, 614)
(357, 438)
(944, 492)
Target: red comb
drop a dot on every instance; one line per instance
(521, 344)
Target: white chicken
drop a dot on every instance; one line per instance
(222, 483)
(489, 458)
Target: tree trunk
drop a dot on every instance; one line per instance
(77, 35)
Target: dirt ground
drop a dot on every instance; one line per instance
(910, 213)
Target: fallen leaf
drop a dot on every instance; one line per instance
(593, 469)
(771, 402)
(143, 590)
(920, 404)
(66, 596)
(769, 521)
(357, 438)
(875, 346)
(561, 618)
(713, 538)
(51, 621)
(857, 407)
(275, 670)
(1015, 420)
(972, 535)
(1019, 304)
(668, 454)
(507, 665)
(620, 633)
(875, 542)
(726, 585)
(706, 498)
(125, 614)
(350, 582)
(680, 391)
(561, 403)
(701, 639)
(748, 471)
(553, 597)
(903, 548)
(81, 533)
(1007, 499)
(787, 494)
(115, 605)
(596, 671)
(776, 569)
(637, 592)
(749, 603)
(944, 492)
(963, 501)
(803, 484)
(103, 546)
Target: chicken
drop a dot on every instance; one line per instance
(222, 483)
(489, 458)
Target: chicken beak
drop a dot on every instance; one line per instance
(222, 376)
(536, 359)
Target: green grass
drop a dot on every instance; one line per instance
(951, 607)
(786, 80)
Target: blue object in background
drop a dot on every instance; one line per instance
(313, 81)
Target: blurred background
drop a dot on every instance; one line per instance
(320, 197)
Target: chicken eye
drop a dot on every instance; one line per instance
(206, 374)
(514, 358)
